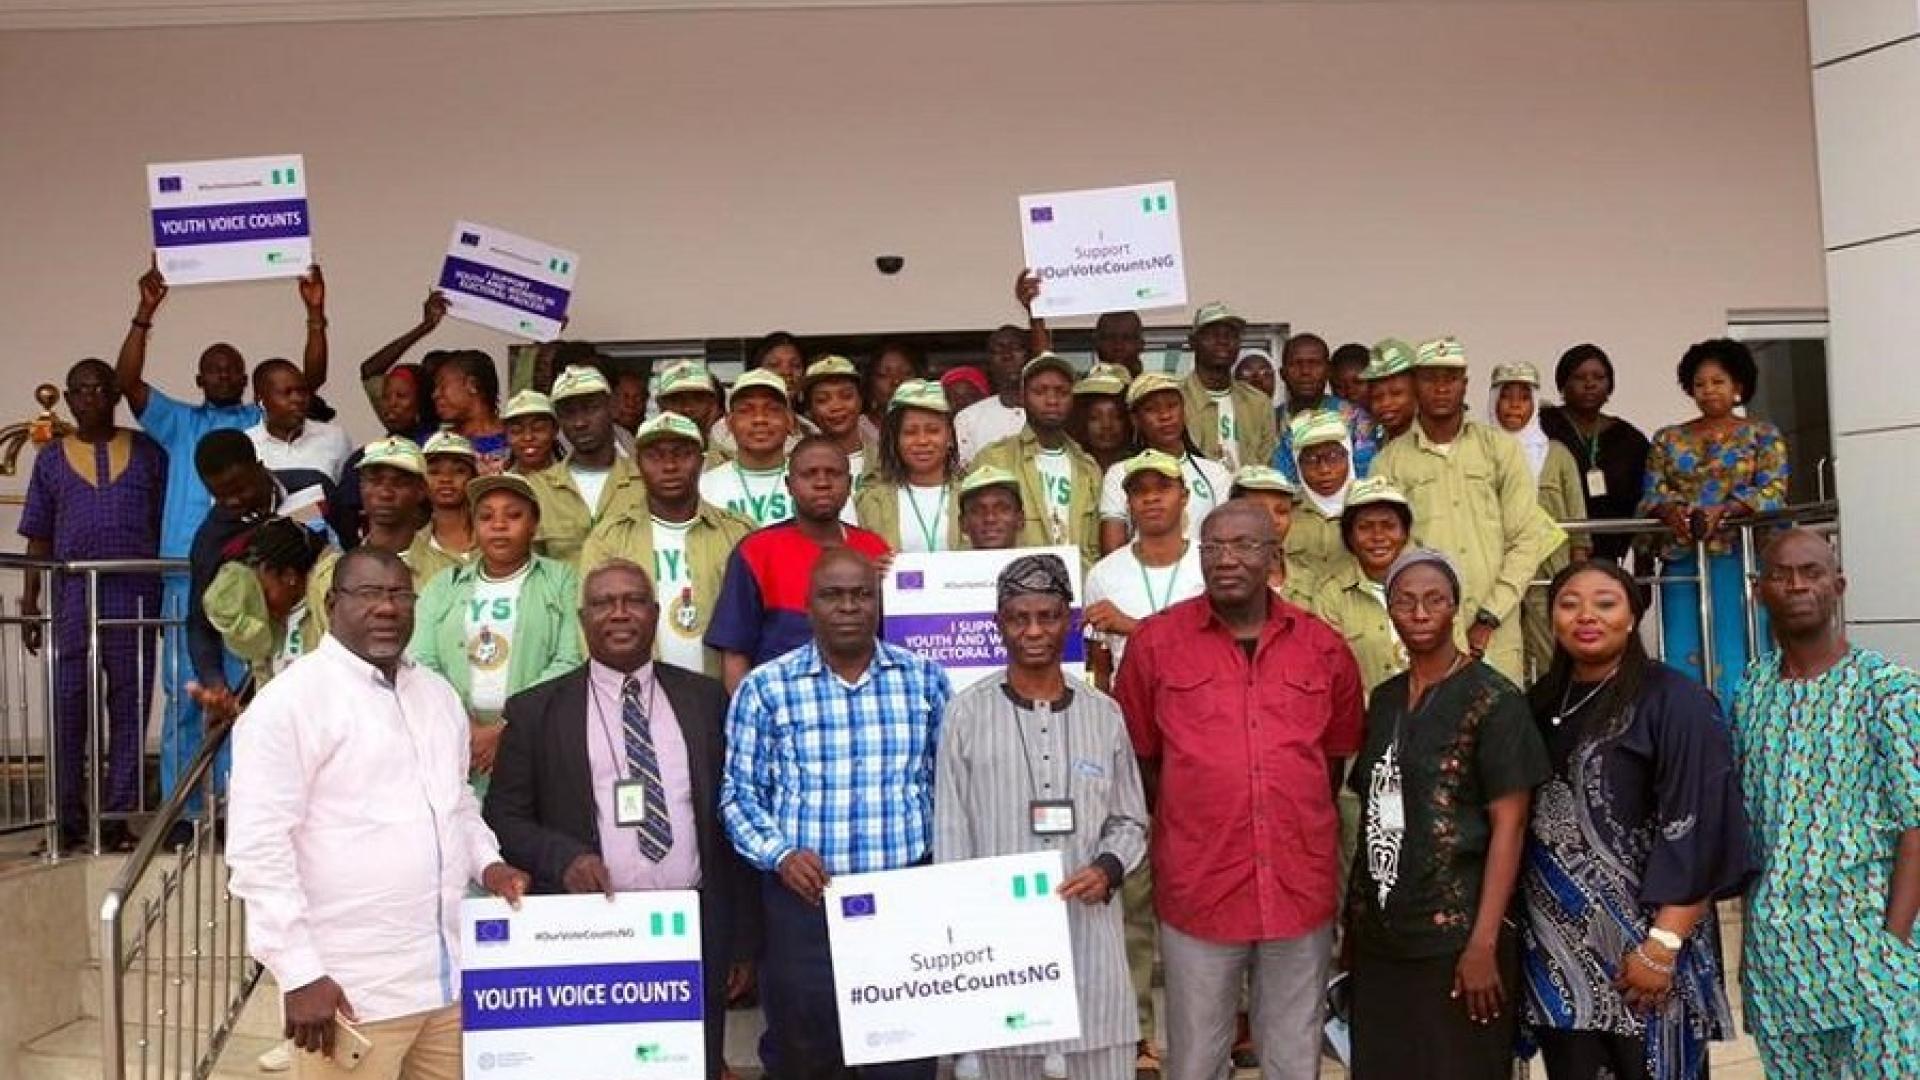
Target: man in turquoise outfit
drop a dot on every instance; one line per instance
(1828, 739)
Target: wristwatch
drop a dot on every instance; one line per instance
(1666, 939)
(1486, 618)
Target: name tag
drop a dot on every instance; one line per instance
(629, 804)
(1051, 817)
(1393, 811)
(1596, 483)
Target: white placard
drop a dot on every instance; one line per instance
(583, 988)
(952, 958)
(237, 219)
(510, 283)
(941, 605)
(1109, 249)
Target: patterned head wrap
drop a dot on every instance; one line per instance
(1043, 573)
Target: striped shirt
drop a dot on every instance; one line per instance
(844, 770)
(996, 758)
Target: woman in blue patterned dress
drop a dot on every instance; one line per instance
(1713, 469)
(1639, 830)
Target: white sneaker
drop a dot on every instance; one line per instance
(277, 1060)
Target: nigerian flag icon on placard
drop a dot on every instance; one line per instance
(1029, 886)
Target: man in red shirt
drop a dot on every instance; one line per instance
(1242, 708)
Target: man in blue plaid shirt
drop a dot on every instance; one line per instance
(830, 754)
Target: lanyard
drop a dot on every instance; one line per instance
(606, 731)
(939, 512)
(1026, 752)
(755, 503)
(1153, 607)
(1199, 483)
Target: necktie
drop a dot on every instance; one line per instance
(656, 832)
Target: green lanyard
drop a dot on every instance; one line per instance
(1172, 580)
(756, 504)
(929, 532)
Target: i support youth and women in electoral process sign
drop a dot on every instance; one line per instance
(941, 606)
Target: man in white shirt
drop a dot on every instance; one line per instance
(354, 836)
(987, 421)
(284, 437)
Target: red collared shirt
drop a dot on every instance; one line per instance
(1246, 839)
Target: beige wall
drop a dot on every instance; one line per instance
(1869, 167)
(1525, 175)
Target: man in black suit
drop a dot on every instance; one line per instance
(608, 777)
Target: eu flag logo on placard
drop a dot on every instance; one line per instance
(858, 906)
(491, 932)
(470, 239)
(1040, 215)
(912, 579)
(169, 185)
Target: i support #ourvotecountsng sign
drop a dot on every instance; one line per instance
(941, 606)
(1108, 249)
(582, 988)
(952, 958)
(237, 219)
(510, 283)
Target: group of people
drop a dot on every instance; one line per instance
(621, 630)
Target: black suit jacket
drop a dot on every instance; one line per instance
(540, 805)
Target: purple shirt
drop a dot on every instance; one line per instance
(98, 501)
(607, 763)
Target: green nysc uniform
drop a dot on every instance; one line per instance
(876, 504)
(546, 630)
(1253, 420)
(1561, 499)
(237, 607)
(423, 561)
(1314, 551)
(566, 519)
(711, 537)
(1476, 500)
(1016, 454)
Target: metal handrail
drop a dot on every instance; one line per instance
(206, 945)
(1821, 516)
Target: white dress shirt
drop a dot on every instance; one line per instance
(322, 447)
(353, 833)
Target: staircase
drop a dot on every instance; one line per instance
(51, 1014)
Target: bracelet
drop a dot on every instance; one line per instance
(317, 324)
(1640, 953)
(144, 324)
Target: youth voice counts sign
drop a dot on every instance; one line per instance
(941, 606)
(510, 283)
(238, 219)
(583, 988)
(952, 958)
(1108, 249)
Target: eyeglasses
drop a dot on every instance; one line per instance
(1241, 550)
(607, 605)
(374, 594)
(1315, 457)
(1433, 605)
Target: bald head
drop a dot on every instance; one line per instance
(1801, 586)
(843, 600)
(1243, 510)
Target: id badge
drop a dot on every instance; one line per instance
(629, 804)
(1393, 811)
(1596, 483)
(1051, 817)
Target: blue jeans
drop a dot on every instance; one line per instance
(1680, 620)
(181, 726)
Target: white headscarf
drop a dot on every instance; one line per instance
(1533, 438)
(1325, 421)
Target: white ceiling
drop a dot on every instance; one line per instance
(93, 14)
